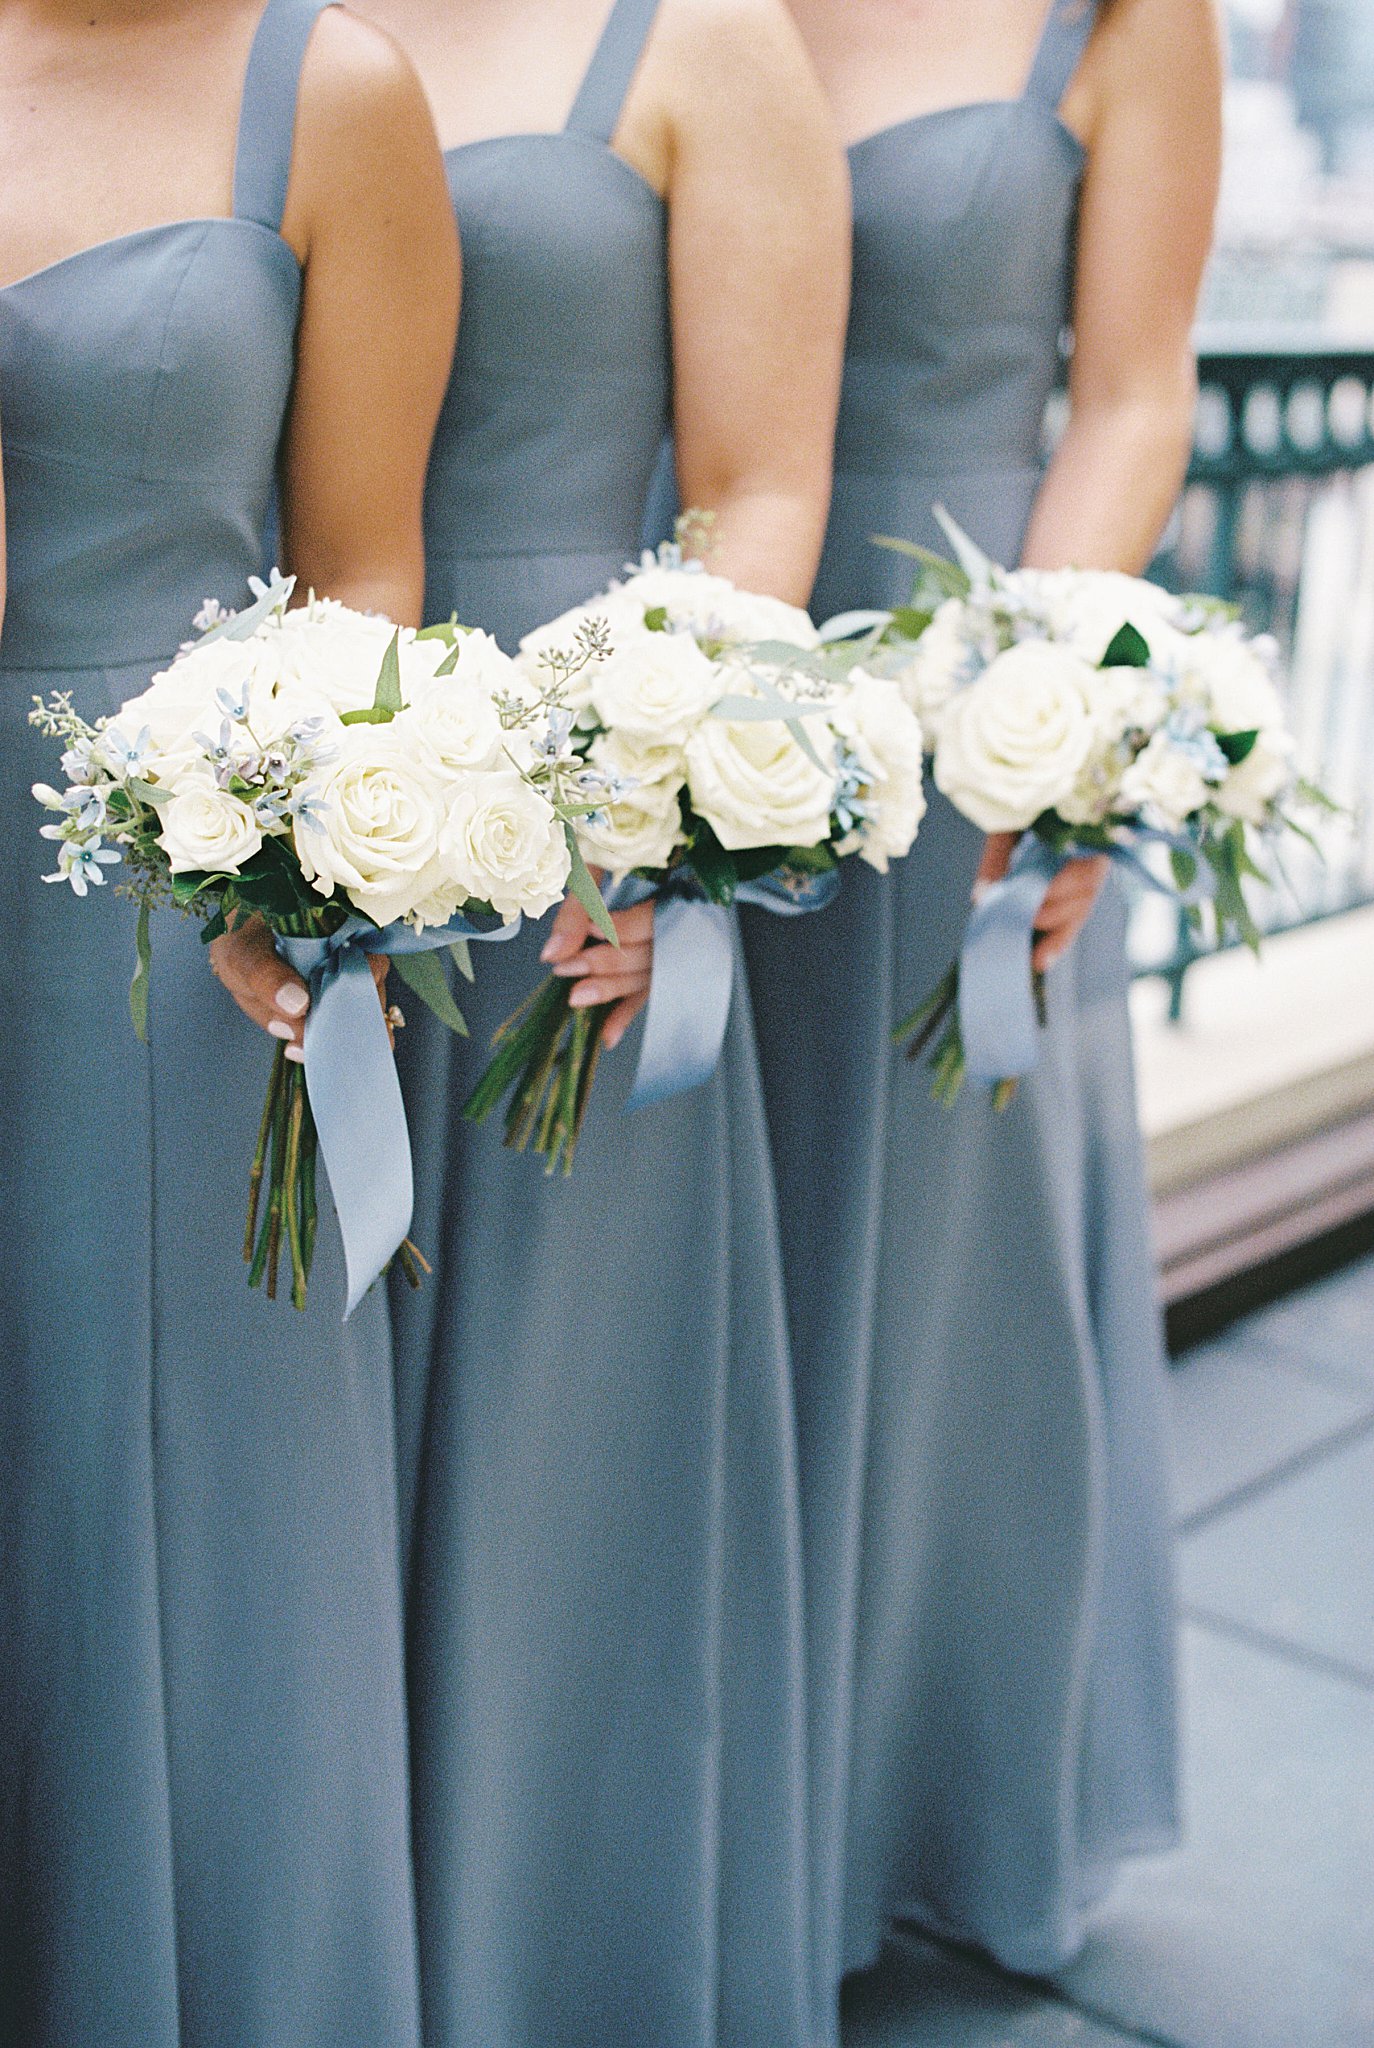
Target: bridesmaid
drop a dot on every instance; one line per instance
(203, 1796)
(596, 1432)
(975, 1341)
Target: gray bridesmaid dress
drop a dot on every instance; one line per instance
(203, 1797)
(593, 1393)
(975, 1339)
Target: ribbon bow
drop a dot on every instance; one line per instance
(997, 1011)
(350, 1078)
(694, 971)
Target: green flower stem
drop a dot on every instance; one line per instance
(291, 1189)
(272, 1232)
(260, 1155)
(546, 1054)
(310, 1145)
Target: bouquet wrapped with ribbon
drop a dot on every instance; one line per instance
(1093, 713)
(364, 790)
(736, 769)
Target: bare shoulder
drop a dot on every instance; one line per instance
(1150, 61)
(725, 56)
(1180, 34)
(754, 41)
(356, 83)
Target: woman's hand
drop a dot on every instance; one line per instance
(269, 993)
(576, 952)
(1068, 901)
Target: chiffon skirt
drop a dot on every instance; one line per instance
(203, 1786)
(603, 1564)
(978, 1386)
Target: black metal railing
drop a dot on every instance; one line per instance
(1278, 516)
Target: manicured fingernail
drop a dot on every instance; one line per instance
(296, 1054)
(584, 997)
(292, 999)
(980, 889)
(276, 1029)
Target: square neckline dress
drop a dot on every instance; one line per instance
(594, 1402)
(979, 1378)
(203, 1788)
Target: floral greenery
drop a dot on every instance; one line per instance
(119, 805)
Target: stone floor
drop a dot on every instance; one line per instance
(1259, 1933)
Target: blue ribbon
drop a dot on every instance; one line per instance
(997, 1014)
(694, 971)
(350, 1078)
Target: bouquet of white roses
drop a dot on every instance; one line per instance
(1091, 712)
(736, 767)
(363, 790)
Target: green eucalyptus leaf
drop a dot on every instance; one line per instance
(585, 890)
(656, 619)
(460, 952)
(424, 975)
(387, 701)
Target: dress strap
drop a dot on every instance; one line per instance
(1063, 40)
(267, 118)
(596, 110)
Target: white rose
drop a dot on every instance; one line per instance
(885, 735)
(644, 827)
(206, 830)
(502, 844)
(756, 787)
(338, 652)
(936, 665)
(1085, 609)
(644, 760)
(659, 688)
(1228, 678)
(712, 607)
(1253, 783)
(1013, 743)
(623, 621)
(457, 721)
(1165, 780)
(183, 701)
(380, 808)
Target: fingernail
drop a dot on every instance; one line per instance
(296, 1054)
(979, 889)
(276, 1029)
(292, 999)
(583, 997)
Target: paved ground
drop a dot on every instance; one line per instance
(1260, 1932)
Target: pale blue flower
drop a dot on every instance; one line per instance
(81, 865)
(126, 755)
(233, 703)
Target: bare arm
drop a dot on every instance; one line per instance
(369, 211)
(759, 270)
(1152, 102)
(369, 214)
(1145, 227)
